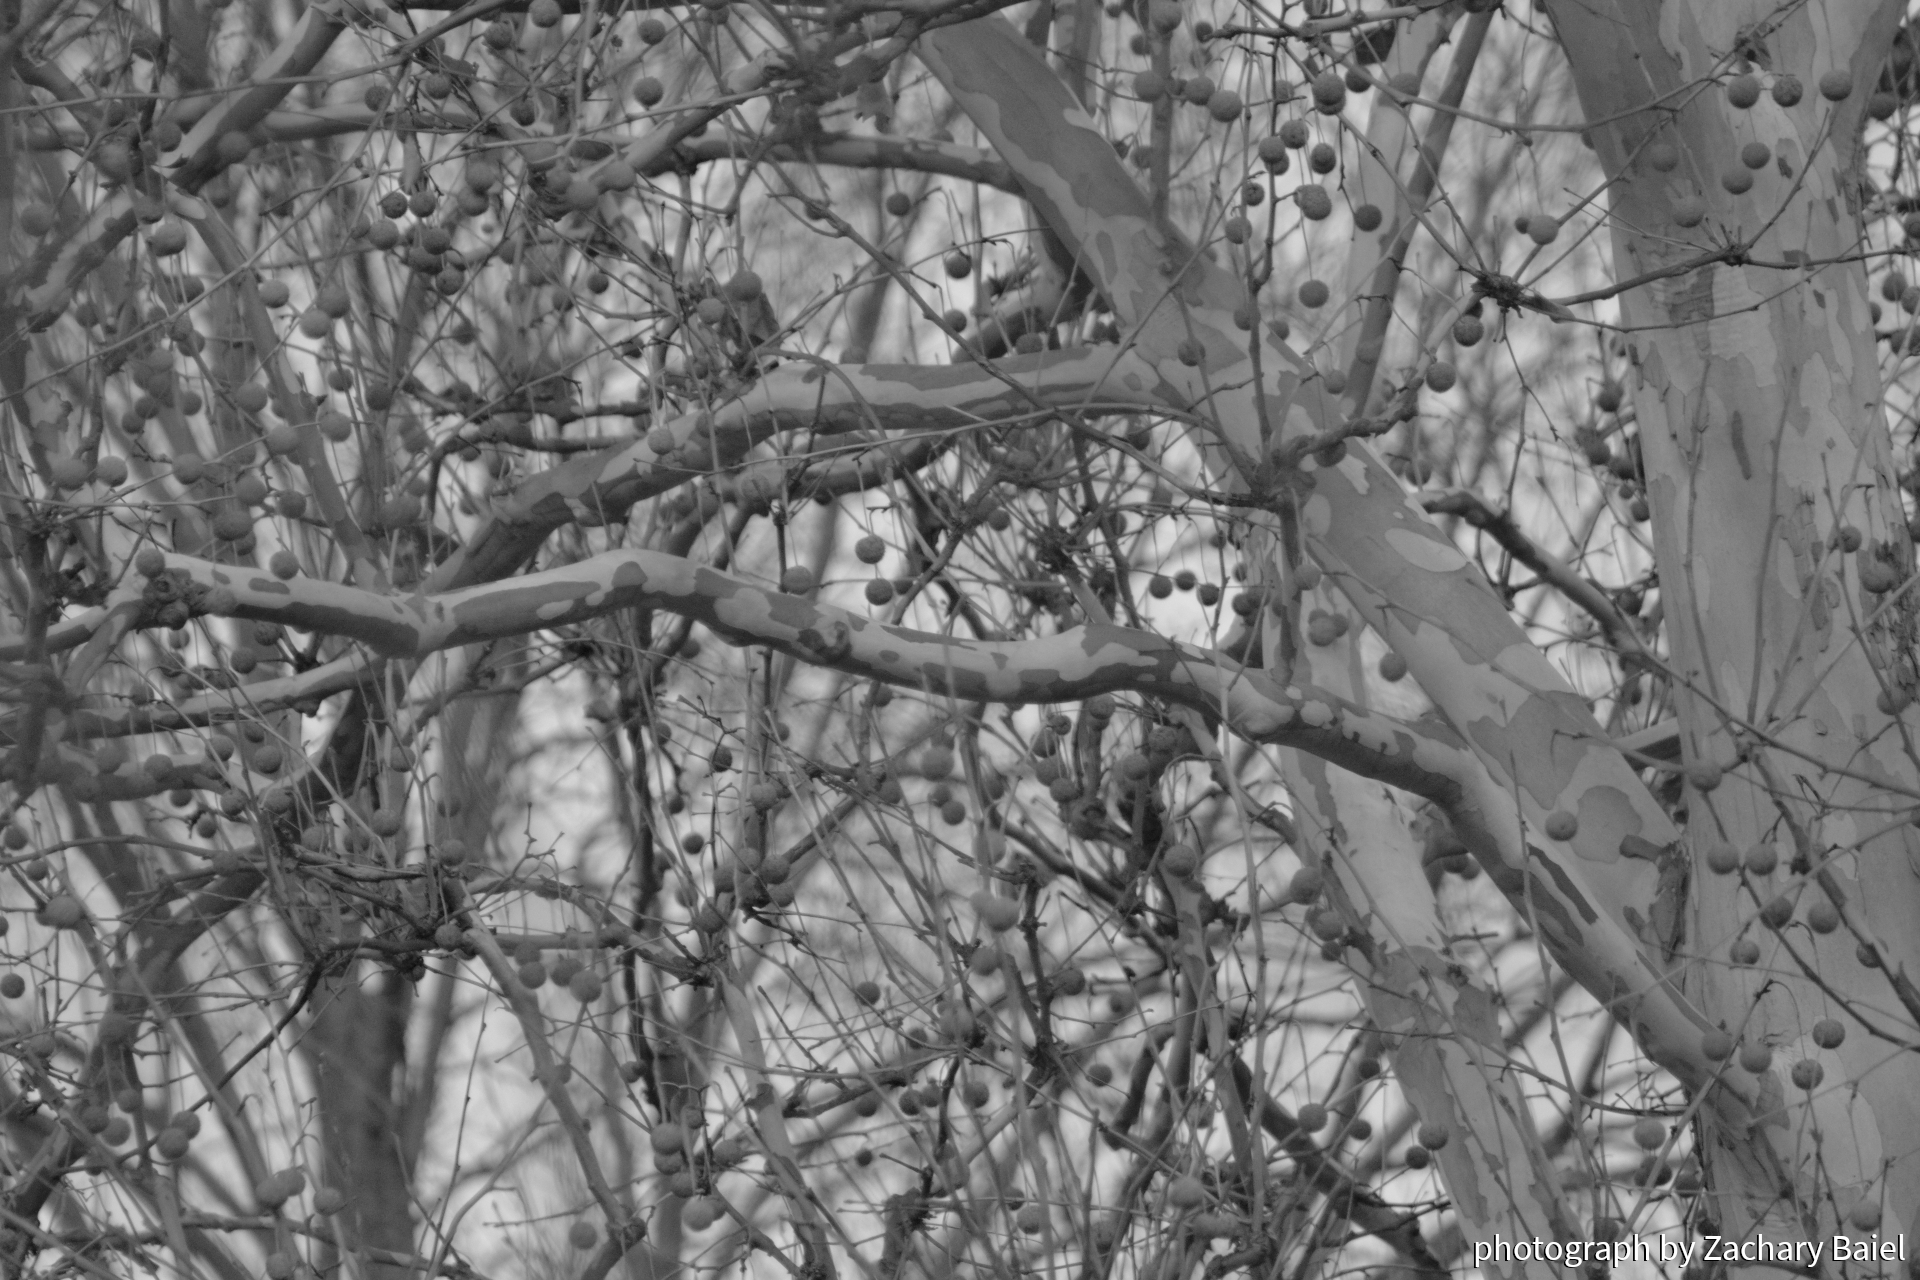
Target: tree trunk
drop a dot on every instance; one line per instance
(1764, 442)
(357, 1043)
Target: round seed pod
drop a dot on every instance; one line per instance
(1315, 204)
(745, 287)
(1687, 210)
(1787, 90)
(167, 239)
(1441, 376)
(1743, 91)
(1542, 230)
(1649, 1134)
(1223, 105)
(1716, 1045)
(1180, 861)
(1561, 825)
(1329, 91)
(63, 911)
(1186, 1193)
(996, 913)
(1737, 182)
(276, 1189)
(1367, 217)
(233, 147)
(1828, 1033)
(69, 472)
(1723, 859)
(1314, 294)
(1836, 85)
(1663, 157)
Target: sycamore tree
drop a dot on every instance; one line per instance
(952, 636)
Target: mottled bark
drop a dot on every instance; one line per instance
(1758, 399)
(1441, 1024)
(1597, 896)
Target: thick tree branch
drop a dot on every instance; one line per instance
(825, 399)
(1070, 666)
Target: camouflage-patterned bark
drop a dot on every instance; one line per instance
(1069, 666)
(1603, 897)
(1768, 462)
(1440, 1022)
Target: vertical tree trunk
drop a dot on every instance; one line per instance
(357, 1043)
(1758, 400)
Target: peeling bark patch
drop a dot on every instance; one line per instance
(1608, 814)
(1423, 549)
(1551, 868)
(1542, 758)
(1737, 434)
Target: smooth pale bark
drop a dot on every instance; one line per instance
(1443, 1027)
(1441, 1024)
(1604, 899)
(1758, 399)
(1068, 666)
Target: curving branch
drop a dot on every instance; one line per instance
(1594, 894)
(824, 398)
(1070, 666)
(272, 81)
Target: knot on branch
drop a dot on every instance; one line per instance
(829, 646)
(172, 598)
(1509, 294)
